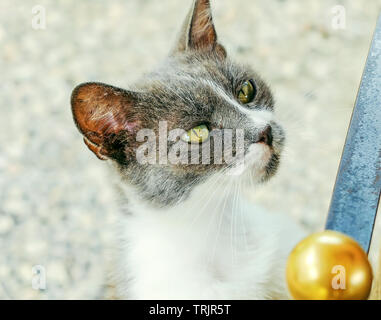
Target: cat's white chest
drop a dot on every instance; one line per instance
(219, 248)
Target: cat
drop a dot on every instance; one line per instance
(186, 229)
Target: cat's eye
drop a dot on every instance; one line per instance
(248, 92)
(198, 134)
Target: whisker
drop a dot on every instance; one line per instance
(212, 256)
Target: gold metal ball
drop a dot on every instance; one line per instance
(329, 266)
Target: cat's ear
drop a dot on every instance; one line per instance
(104, 115)
(198, 32)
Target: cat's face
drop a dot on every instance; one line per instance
(196, 116)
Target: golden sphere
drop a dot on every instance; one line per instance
(329, 266)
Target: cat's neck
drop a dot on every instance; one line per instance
(216, 197)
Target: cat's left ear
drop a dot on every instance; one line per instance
(198, 32)
(105, 116)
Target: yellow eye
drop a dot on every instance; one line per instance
(247, 92)
(198, 134)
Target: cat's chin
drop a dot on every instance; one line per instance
(260, 164)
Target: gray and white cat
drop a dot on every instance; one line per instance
(187, 230)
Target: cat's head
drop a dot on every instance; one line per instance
(196, 116)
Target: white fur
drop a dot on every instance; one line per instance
(214, 245)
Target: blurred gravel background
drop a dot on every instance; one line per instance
(56, 207)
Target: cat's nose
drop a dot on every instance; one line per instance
(265, 136)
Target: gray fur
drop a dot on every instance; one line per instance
(176, 92)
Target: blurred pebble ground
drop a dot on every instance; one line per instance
(56, 206)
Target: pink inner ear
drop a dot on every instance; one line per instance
(202, 32)
(100, 110)
(131, 126)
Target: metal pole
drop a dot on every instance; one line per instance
(356, 194)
